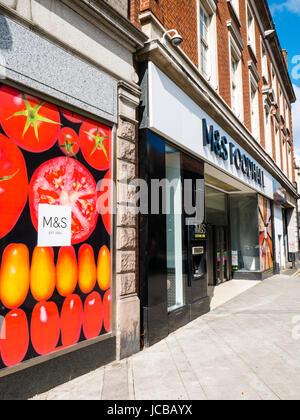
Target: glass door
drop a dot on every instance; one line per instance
(174, 230)
(221, 254)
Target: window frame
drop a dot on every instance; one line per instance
(251, 30)
(209, 7)
(264, 61)
(204, 41)
(236, 55)
(254, 109)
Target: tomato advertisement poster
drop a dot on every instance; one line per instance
(51, 297)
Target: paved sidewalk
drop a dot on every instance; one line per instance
(244, 349)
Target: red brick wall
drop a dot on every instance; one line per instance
(223, 51)
(182, 15)
(173, 14)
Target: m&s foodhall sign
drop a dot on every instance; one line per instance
(228, 150)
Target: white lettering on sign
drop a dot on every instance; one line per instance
(54, 225)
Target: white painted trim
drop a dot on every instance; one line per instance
(262, 31)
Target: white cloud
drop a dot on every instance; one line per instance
(292, 6)
(296, 124)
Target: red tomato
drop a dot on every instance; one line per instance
(68, 142)
(107, 311)
(71, 320)
(45, 327)
(13, 185)
(72, 116)
(92, 316)
(30, 122)
(104, 201)
(14, 338)
(95, 143)
(64, 181)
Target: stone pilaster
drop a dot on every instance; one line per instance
(127, 300)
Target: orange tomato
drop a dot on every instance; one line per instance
(66, 271)
(87, 271)
(14, 275)
(103, 268)
(42, 274)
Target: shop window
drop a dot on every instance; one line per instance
(54, 295)
(216, 207)
(265, 233)
(244, 233)
(174, 231)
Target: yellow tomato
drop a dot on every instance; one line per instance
(42, 274)
(87, 271)
(66, 271)
(103, 268)
(14, 275)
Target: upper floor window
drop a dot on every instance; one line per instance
(287, 116)
(207, 41)
(204, 41)
(236, 81)
(268, 134)
(281, 100)
(277, 145)
(265, 72)
(235, 4)
(284, 152)
(254, 109)
(274, 85)
(251, 29)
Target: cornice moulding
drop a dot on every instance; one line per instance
(235, 34)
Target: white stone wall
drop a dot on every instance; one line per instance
(78, 32)
(120, 5)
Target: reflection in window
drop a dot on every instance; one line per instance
(244, 231)
(204, 41)
(174, 232)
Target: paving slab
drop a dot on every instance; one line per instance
(248, 348)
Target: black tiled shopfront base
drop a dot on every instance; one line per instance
(41, 378)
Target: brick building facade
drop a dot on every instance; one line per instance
(220, 101)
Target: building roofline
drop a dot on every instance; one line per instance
(268, 24)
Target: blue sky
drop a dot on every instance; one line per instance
(286, 16)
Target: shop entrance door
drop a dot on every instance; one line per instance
(218, 256)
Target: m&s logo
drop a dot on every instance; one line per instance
(55, 222)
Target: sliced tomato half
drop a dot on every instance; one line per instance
(66, 182)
